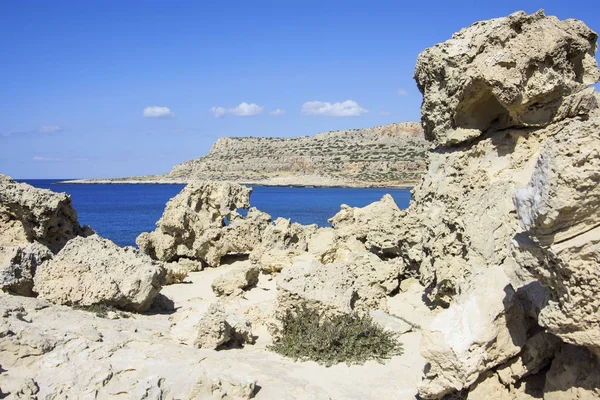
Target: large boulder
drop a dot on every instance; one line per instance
(34, 225)
(234, 282)
(518, 71)
(361, 282)
(375, 225)
(283, 236)
(202, 223)
(30, 215)
(211, 327)
(93, 270)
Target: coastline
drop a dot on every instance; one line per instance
(266, 183)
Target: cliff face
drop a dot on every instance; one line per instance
(383, 156)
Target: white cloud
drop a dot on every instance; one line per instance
(158, 112)
(348, 108)
(401, 92)
(218, 112)
(47, 159)
(52, 159)
(243, 110)
(41, 130)
(385, 113)
(277, 112)
(49, 129)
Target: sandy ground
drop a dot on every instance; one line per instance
(76, 352)
(396, 378)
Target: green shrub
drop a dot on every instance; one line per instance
(349, 338)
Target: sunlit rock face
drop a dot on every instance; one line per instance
(518, 71)
(504, 227)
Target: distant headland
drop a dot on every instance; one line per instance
(384, 156)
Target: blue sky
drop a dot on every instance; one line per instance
(121, 88)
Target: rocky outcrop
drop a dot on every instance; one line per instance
(510, 197)
(359, 283)
(280, 242)
(202, 223)
(484, 327)
(374, 225)
(34, 225)
(559, 209)
(30, 215)
(211, 328)
(93, 270)
(97, 357)
(234, 282)
(518, 71)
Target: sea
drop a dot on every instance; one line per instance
(121, 212)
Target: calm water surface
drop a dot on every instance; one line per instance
(121, 212)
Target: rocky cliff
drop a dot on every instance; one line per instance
(384, 156)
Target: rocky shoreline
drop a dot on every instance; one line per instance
(489, 280)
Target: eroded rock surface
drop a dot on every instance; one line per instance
(94, 270)
(510, 198)
(30, 215)
(34, 225)
(202, 223)
(360, 283)
(518, 71)
(234, 282)
(559, 209)
(19, 265)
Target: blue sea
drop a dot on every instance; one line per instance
(121, 212)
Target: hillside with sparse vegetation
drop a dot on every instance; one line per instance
(385, 156)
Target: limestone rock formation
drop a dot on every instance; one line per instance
(234, 282)
(374, 225)
(28, 214)
(211, 328)
(281, 241)
(574, 374)
(484, 327)
(520, 203)
(51, 351)
(195, 223)
(360, 283)
(18, 266)
(518, 71)
(34, 224)
(559, 209)
(94, 270)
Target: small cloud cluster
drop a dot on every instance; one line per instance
(41, 130)
(53, 159)
(158, 112)
(401, 92)
(348, 108)
(277, 112)
(49, 129)
(243, 110)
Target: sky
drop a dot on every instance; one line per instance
(99, 89)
